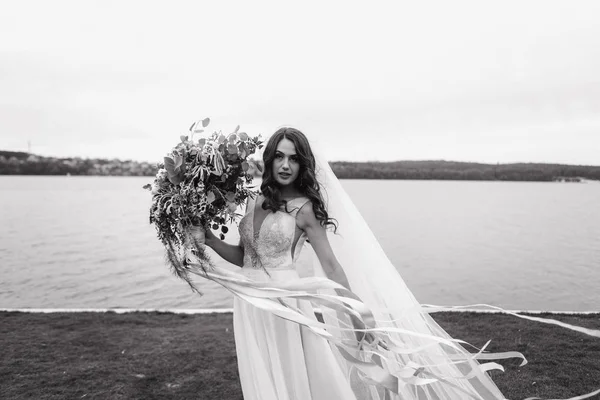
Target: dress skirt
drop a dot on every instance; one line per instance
(281, 360)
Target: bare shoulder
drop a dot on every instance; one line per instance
(306, 216)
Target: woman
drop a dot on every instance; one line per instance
(283, 351)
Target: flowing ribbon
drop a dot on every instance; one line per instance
(381, 360)
(591, 332)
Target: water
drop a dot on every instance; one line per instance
(85, 242)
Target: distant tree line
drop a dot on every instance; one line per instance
(452, 170)
(20, 163)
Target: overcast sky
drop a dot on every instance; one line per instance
(485, 81)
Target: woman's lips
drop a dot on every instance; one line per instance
(284, 175)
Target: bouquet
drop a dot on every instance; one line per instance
(201, 182)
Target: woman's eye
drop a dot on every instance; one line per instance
(278, 156)
(294, 158)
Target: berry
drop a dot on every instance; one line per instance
(222, 236)
(215, 226)
(224, 229)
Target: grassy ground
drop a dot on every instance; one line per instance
(169, 356)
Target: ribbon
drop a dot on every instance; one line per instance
(380, 360)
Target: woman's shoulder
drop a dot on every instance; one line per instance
(296, 203)
(305, 214)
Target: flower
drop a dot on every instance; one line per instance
(203, 181)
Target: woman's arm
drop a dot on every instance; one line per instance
(233, 254)
(317, 235)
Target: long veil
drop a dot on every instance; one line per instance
(430, 364)
(405, 354)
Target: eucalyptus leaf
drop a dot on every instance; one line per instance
(221, 138)
(193, 125)
(210, 198)
(237, 129)
(172, 171)
(243, 135)
(178, 162)
(147, 186)
(205, 122)
(245, 166)
(183, 138)
(169, 165)
(198, 130)
(202, 142)
(232, 149)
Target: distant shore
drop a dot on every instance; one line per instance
(180, 356)
(21, 163)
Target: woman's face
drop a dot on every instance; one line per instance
(285, 165)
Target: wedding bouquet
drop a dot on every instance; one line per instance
(201, 182)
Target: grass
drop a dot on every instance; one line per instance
(171, 356)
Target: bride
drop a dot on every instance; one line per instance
(372, 340)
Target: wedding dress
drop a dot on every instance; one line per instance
(286, 353)
(283, 360)
(279, 359)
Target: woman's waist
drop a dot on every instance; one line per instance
(267, 274)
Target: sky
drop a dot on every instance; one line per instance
(509, 81)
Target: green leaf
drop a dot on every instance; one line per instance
(210, 198)
(193, 125)
(245, 166)
(243, 136)
(172, 172)
(147, 186)
(183, 138)
(232, 149)
(178, 161)
(222, 138)
(205, 122)
(237, 129)
(230, 196)
(202, 142)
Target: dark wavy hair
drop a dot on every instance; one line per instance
(306, 181)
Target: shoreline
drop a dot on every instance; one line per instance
(204, 311)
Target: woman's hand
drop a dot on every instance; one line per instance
(196, 235)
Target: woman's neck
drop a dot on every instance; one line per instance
(289, 192)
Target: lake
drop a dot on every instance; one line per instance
(85, 242)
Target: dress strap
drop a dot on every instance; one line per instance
(250, 204)
(293, 206)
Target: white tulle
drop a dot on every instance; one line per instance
(379, 285)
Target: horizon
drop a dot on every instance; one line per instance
(483, 82)
(330, 161)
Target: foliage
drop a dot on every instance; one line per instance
(18, 163)
(202, 183)
(450, 170)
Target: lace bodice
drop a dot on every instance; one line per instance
(270, 245)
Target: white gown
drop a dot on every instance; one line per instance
(305, 360)
(279, 359)
(283, 360)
